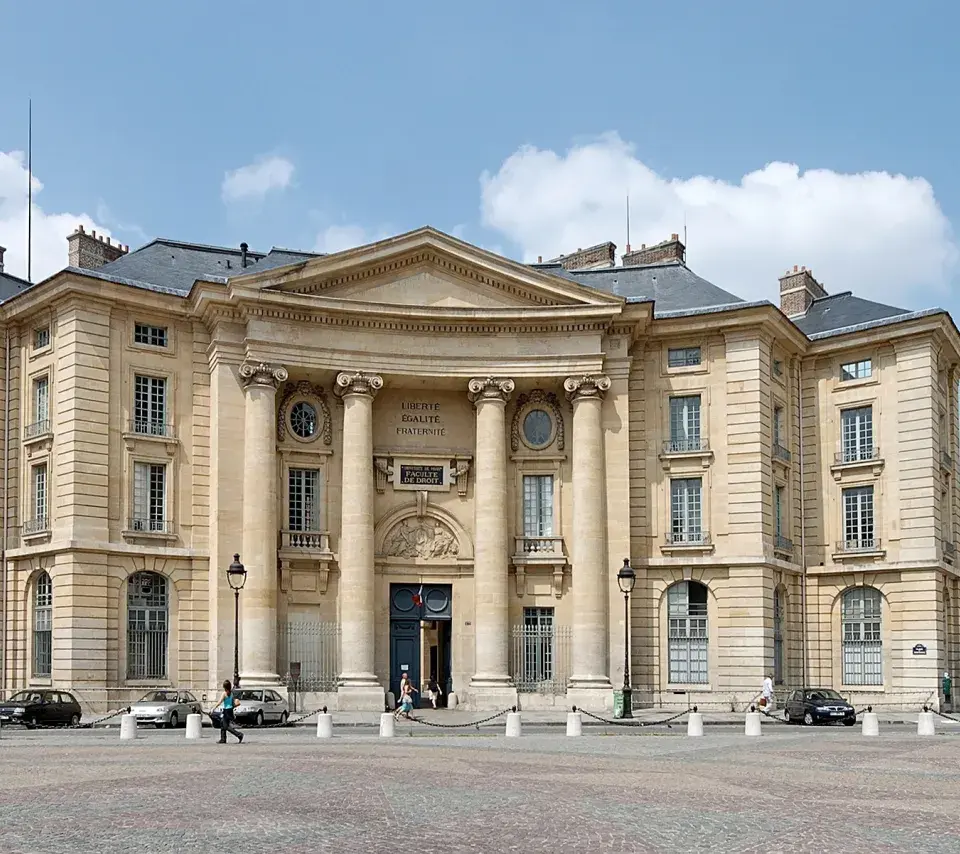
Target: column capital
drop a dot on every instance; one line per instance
(586, 387)
(357, 382)
(262, 374)
(490, 388)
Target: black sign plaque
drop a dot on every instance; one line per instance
(421, 475)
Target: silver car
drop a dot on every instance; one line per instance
(166, 708)
(256, 706)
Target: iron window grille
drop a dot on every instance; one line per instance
(861, 624)
(147, 626)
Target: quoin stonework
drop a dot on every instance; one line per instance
(433, 460)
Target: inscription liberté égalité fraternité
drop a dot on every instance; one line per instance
(420, 419)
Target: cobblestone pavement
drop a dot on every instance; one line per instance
(85, 792)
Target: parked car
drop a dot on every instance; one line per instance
(40, 707)
(818, 706)
(256, 706)
(165, 708)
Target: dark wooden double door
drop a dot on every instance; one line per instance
(411, 622)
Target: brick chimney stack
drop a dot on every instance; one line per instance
(89, 252)
(594, 258)
(798, 290)
(668, 250)
(2, 250)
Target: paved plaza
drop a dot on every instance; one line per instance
(793, 789)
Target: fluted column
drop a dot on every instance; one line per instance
(357, 390)
(491, 621)
(258, 601)
(590, 587)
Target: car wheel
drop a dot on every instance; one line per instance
(33, 723)
(283, 718)
(849, 721)
(74, 720)
(174, 721)
(808, 719)
(260, 718)
(786, 717)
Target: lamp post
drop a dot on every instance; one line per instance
(237, 577)
(626, 579)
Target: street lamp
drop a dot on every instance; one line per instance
(626, 578)
(237, 577)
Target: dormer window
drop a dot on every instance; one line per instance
(151, 336)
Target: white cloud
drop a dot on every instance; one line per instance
(50, 230)
(881, 235)
(336, 238)
(255, 180)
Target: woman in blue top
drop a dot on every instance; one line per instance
(229, 703)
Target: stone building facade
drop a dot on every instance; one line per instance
(433, 459)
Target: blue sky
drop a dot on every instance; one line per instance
(518, 126)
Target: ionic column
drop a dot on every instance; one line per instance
(491, 620)
(590, 588)
(357, 390)
(258, 601)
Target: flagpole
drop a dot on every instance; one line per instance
(29, 189)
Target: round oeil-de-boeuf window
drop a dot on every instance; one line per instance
(537, 428)
(303, 420)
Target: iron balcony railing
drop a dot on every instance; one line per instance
(539, 545)
(149, 427)
(859, 544)
(781, 453)
(149, 526)
(540, 658)
(688, 538)
(314, 541)
(36, 526)
(783, 544)
(38, 428)
(858, 454)
(684, 445)
(315, 647)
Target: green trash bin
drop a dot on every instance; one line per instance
(618, 704)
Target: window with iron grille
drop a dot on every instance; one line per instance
(150, 406)
(152, 336)
(683, 357)
(537, 664)
(856, 370)
(856, 434)
(43, 625)
(685, 423)
(147, 626)
(862, 644)
(149, 497)
(40, 495)
(41, 399)
(686, 510)
(687, 642)
(778, 620)
(303, 499)
(538, 505)
(858, 518)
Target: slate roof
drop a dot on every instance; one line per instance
(843, 310)
(10, 286)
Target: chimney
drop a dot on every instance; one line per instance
(597, 257)
(798, 290)
(90, 252)
(668, 250)
(243, 255)
(2, 250)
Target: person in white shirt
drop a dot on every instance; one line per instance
(767, 694)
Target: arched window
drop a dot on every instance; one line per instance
(862, 644)
(779, 663)
(42, 625)
(147, 626)
(687, 643)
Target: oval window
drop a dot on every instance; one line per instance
(537, 428)
(303, 420)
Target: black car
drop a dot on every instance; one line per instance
(818, 706)
(40, 707)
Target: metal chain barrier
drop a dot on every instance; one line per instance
(475, 724)
(633, 722)
(82, 725)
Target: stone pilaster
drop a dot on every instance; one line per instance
(491, 686)
(358, 683)
(590, 682)
(258, 601)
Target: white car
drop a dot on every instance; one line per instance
(165, 708)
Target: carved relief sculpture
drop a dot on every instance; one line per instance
(260, 373)
(318, 395)
(421, 538)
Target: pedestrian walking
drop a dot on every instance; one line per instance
(766, 695)
(404, 684)
(229, 703)
(433, 691)
(406, 703)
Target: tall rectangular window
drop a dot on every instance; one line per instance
(43, 626)
(40, 496)
(687, 641)
(779, 497)
(856, 370)
(778, 435)
(150, 406)
(856, 434)
(538, 505)
(686, 510)
(685, 423)
(858, 530)
(41, 399)
(537, 648)
(152, 336)
(683, 357)
(303, 500)
(149, 498)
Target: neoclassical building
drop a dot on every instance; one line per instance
(433, 460)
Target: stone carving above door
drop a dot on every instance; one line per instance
(423, 538)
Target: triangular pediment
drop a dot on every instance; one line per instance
(429, 269)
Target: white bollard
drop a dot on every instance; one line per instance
(513, 725)
(194, 726)
(386, 725)
(574, 723)
(325, 725)
(128, 727)
(695, 724)
(752, 726)
(925, 723)
(452, 700)
(871, 724)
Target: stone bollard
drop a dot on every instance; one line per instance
(513, 724)
(128, 727)
(752, 724)
(194, 726)
(695, 723)
(452, 700)
(925, 723)
(325, 724)
(387, 722)
(391, 700)
(574, 722)
(870, 725)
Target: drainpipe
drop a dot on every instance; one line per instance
(803, 533)
(6, 455)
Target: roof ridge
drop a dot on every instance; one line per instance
(205, 247)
